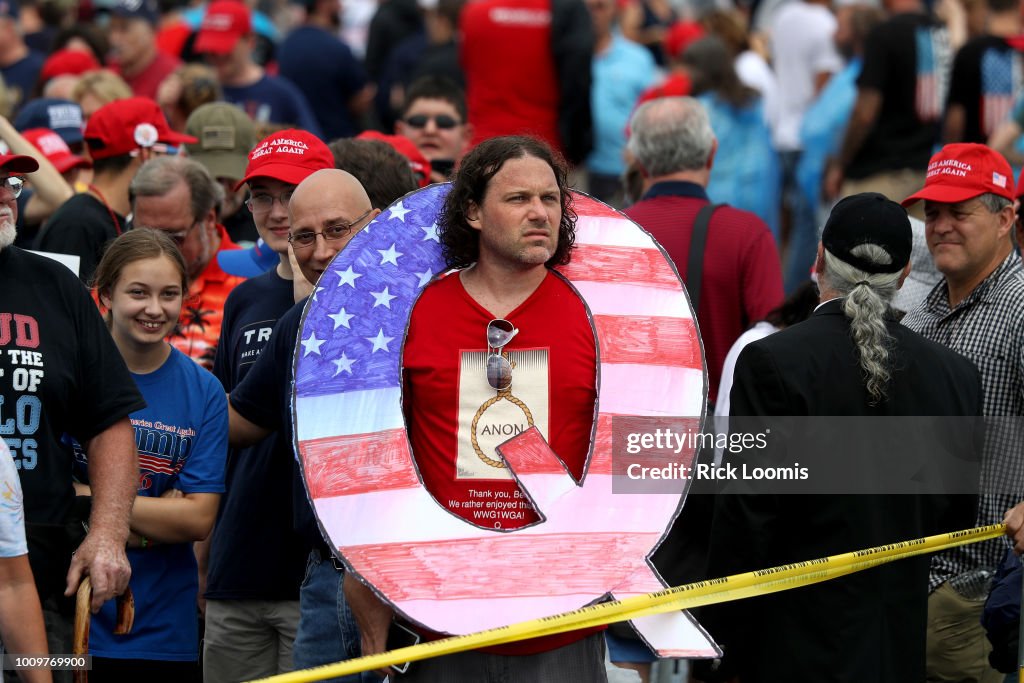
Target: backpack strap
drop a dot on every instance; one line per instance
(695, 261)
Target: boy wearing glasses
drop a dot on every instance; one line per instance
(434, 118)
(499, 346)
(252, 616)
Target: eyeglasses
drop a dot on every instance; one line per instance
(499, 369)
(442, 121)
(262, 203)
(307, 238)
(14, 185)
(182, 235)
(179, 236)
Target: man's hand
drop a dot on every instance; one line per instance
(1014, 521)
(114, 477)
(103, 559)
(301, 287)
(372, 616)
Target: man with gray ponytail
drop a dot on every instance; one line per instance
(850, 359)
(977, 309)
(865, 275)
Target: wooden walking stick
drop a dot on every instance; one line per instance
(83, 615)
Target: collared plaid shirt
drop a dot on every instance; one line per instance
(988, 328)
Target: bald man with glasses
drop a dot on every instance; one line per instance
(326, 210)
(252, 617)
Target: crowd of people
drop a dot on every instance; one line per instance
(175, 177)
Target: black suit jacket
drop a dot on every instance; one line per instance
(869, 626)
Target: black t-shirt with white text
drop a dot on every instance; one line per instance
(264, 398)
(60, 373)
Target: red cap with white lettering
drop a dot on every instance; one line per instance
(55, 149)
(289, 156)
(225, 23)
(123, 126)
(963, 171)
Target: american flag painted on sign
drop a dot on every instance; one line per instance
(432, 566)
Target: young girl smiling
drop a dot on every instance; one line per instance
(182, 442)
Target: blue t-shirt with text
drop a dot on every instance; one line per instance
(182, 439)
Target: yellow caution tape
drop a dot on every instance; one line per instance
(750, 584)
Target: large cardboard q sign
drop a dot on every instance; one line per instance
(433, 567)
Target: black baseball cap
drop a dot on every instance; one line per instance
(869, 218)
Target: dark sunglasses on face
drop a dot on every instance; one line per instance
(442, 121)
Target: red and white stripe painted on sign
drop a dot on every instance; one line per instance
(457, 578)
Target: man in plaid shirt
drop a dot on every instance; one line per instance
(977, 309)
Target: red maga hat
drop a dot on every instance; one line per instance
(419, 164)
(18, 163)
(122, 126)
(55, 149)
(225, 22)
(289, 156)
(679, 37)
(68, 62)
(963, 171)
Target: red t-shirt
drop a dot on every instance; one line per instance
(742, 280)
(146, 82)
(511, 80)
(448, 401)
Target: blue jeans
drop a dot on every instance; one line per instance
(327, 629)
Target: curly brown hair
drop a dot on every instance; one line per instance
(460, 243)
